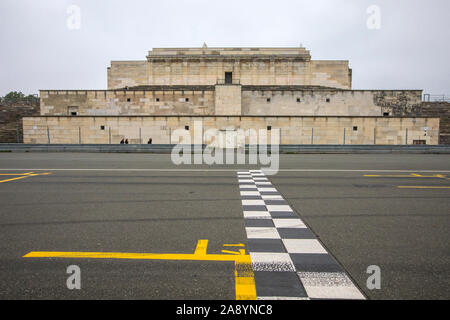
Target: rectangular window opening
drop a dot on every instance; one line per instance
(228, 77)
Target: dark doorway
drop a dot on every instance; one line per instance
(228, 77)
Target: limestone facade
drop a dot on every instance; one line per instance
(310, 101)
(293, 130)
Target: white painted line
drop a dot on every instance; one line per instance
(263, 183)
(303, 246)
(275, 262)
(283, 208)
(260, 179)
(267, 190)
(257, 215)
(282, 298)
(250, 193)
(271, 197)
(262, 233)
(329, 285)
(248, 186)
(253, 202)
(221, 170)
(245, 180)
(289, 223)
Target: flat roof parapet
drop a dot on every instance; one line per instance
(242, 53)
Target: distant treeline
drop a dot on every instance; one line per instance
(18, 97)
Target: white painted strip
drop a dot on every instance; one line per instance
(303, 246)
(260, 179)
(289, 223)
(262, 233)
(263, 183)
(245, 181)
(275, 262)
(271, 197)
(267, 190)
(257, 215)
(220, 170)
(283, 208)
(253, 202)
(282, 298)
(329, 285)
(248, 186)
(250, 193)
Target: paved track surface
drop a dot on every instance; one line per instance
(352, 203)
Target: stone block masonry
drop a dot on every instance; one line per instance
(294, 130)
(310, 101)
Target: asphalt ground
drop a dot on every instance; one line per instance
(142, 203)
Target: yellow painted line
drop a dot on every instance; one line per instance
(234, 245)
(413, 175)
(244, 277)
(423, 187)
(22, 175)
(12, 179)
(15, 174)
(202, 245)
(137, 256)
(231, 252)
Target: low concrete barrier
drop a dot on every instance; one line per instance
(283, 149)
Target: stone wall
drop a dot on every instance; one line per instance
(331, 73)
(123, 74)
(441, 110)
(329, 102)
(249, 66)
(228, 100)
(11, 130)
(294, 130)
(127, 102)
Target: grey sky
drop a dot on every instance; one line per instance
(38, 51)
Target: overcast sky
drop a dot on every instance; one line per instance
(43, 47)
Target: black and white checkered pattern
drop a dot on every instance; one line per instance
(288, 261)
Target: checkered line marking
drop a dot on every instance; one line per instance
(288, 261)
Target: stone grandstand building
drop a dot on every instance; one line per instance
(309, 101)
